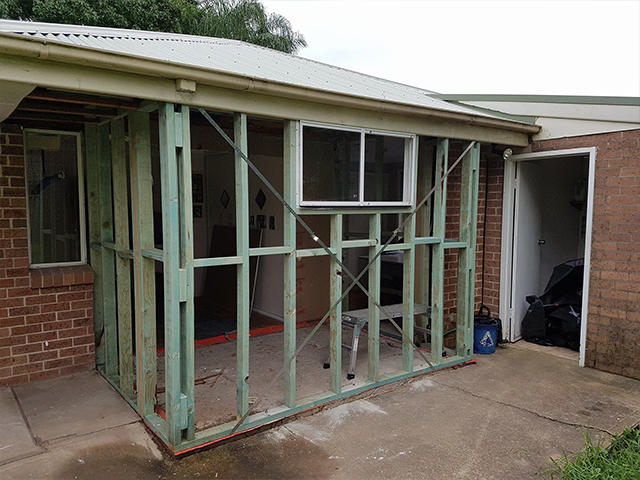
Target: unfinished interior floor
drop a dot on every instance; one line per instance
(215, 371)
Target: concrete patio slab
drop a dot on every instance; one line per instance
(551, 387)
(15, 441)
(501, 419)
(125, 452)
(72, 406)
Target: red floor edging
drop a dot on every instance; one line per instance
(258, 332)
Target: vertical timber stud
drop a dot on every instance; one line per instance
(187, 324)
(169, 145)
(423, 228)
(408, 278)
(93, 208)
(375, 234)
(289, 191)
(437, 269)
(108, 256)
(144, 268)
(123, 266)
(335, 343)
(467, 256)
(242, 250)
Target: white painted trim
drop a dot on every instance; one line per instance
(506, 257)
(587, 253)
(507, 253)
(81, 200)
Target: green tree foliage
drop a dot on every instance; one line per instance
(244, 20)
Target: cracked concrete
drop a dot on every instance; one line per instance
(503, 418)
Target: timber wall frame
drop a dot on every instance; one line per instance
(125, 307)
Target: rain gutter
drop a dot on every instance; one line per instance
(43, 49)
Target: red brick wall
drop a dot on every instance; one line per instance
(613, 328)
(46, 315)
(491, 270)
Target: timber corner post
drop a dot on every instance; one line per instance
(289, 191)
(144, 267)
(177, 228)
(243, 314)
(437, 277)
(467, 256)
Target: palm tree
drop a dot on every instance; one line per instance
(248, 21)
(245, 20)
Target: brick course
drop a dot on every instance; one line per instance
(46, 315)
(492, 187)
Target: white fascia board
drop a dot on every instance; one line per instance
(607, 113)
(562, 127)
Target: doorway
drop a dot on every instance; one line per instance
(547, 212)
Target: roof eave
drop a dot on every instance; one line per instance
(43, 49)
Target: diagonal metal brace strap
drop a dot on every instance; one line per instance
(355, 280)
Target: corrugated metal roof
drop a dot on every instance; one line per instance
(236, 57)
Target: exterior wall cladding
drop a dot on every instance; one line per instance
(46, 315)
(613, 329)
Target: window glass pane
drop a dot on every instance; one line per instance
(384, 168)
(52, 187)
(331, 165)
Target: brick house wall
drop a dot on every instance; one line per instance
(613, 328)
(491, 189)
(46, 315)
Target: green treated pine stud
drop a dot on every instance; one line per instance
(242, 250)
(144, 268)
(373, 326)
(95, 254)
(187, 312)
(335, 320)
(171, 250)
(467, 256)
(408, 277)
(110, 337)
(123, 265)
(423, 229)
(437, 258)
(408, 295)
(475, 159)
(289, 224)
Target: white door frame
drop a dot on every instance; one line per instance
(509, 221)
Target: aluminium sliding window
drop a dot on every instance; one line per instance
(354, 167)
(55, 198)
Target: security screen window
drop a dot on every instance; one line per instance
(54, 206)
(346, 167)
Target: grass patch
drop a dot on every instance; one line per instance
(621, 461)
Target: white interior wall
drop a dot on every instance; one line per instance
(216, 161)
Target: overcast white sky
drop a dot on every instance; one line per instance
(509, 47)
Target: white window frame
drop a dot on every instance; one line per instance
(408, 187)
(81, 202)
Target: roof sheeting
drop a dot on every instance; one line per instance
(238, 58)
